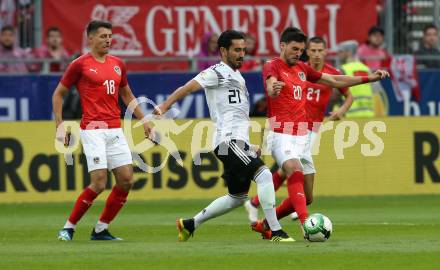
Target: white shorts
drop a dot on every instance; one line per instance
(285, 147)
(308, 165)
(105, 148)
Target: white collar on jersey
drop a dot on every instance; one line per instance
(221, 62)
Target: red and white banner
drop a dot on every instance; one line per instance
(175, 27)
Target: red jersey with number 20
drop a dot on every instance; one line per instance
(318, 97)
(287, 110)
(98, 86)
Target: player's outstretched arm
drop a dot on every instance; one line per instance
(338, 114)
(177, 95)
(341, 81)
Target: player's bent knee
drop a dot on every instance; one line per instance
(237, 200)
(290, 166)
(125, 184)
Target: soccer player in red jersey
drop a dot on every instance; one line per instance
(317, 99)
(286, 80)
(100, 79)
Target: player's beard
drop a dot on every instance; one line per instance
(235, 63)
(290, 61)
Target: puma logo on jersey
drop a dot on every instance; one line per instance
(94, 70)
(285, 73)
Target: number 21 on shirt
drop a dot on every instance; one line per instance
(234, 96)
(110, 84)
(311, 91)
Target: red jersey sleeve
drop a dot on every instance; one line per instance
(124, 80)
(311, 74)
(270, 69)
(72, 74)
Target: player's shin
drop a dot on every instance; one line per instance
(113, 205)
(219, 207)
(82, 204)
(277, 182)
(266, 194)
(284, 209)
(295, 188)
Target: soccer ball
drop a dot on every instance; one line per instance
(317, 228)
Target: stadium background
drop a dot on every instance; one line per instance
(31, 169)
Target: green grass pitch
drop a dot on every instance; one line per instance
(395, 232)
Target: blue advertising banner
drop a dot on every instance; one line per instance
(29, 97)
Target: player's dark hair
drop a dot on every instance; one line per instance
(429, 26)
(93, 26)
(318, 40)
(293, 34)
(8, 28)
(225, 38)
(52, 29)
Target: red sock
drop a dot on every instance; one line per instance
(82, 204)
(115, 201)
(277, 182)
(295, 188)
(284, 209)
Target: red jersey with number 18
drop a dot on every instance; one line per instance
(287, 110)
(318, 97)
(98, 86)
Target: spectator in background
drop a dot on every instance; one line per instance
(7, 12)
(380, 8)
(251, 49)
(372, 52)
(208, 48)
(54, 49)
(429, 46)
(363, 103)
(8, 51)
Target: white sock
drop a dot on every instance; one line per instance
(69, 225)
(266, 194)
(219, 207)
(294, 215)
(100, 226)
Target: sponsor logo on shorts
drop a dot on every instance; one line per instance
(96, 160)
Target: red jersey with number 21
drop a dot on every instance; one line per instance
(287, 110)
(98, 86)
(318, 97)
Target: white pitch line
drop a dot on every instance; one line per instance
(385, 224)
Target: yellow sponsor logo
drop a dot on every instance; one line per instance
(385, 156)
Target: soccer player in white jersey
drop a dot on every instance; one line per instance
(228, 102)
